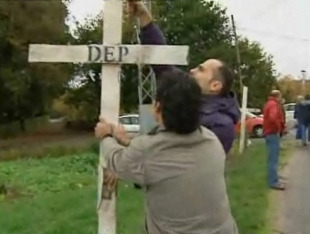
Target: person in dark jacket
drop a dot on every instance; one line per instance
(297, 116)
(304, 119)
(220, 110)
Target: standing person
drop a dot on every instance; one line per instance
(283, 112)
(273, 128)
(284, 116)
(305, 119)
(298, 117)
(180, 164)
(220, 111)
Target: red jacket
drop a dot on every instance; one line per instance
(273, 117)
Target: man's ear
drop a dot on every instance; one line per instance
(157, 107)
(216, 85)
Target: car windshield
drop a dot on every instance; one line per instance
(249, 114)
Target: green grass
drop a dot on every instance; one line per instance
(248, 192)
(58, 196)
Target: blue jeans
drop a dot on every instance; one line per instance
(273, 149)
(298, 132)
(304, 133)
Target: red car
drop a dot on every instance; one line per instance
(254, 125)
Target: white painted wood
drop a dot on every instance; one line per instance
(136, 54)
(109, 109)
(243, 117)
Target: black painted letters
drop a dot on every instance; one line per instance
(107, 54)
(123, 51)
(94, 53)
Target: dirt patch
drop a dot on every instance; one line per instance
(36, 145)
(10, 193)
(37, 139)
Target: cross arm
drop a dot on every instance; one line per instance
(119, 54)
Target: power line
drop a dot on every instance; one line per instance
(269, 9)
(272, 34)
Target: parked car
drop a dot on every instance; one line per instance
(255, 111)
(131, 123)
(289, 115)
(254, 125)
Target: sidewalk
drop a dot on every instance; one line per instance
(295, 201)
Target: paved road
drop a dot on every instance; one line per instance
(296, 199)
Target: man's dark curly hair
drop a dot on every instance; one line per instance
(179, 97)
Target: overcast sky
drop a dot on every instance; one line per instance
(281, 26)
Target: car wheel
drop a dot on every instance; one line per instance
(258, 131)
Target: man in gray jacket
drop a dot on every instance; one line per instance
(179, 164)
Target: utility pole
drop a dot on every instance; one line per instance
(243, 92)
(304, 76)
(146, 87)
(237, 53)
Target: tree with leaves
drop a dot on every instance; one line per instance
(291, 87)
(27, 89)
(204, 26)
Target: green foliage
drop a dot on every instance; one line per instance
(59, 196)
(257, 72)
(29, 88)
(248, 190)
(51, 196)
(200, 24)
(204, 26)
(33, 177)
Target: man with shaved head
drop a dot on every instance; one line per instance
(219, 108)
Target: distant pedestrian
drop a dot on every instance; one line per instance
(297, 116)
(273, 127)
(284, 115)
(304, 118)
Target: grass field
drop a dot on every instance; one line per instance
(58, 196)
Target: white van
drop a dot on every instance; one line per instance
(289, 109)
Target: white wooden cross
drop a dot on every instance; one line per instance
(111, 54)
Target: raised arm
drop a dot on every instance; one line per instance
(150, 33)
